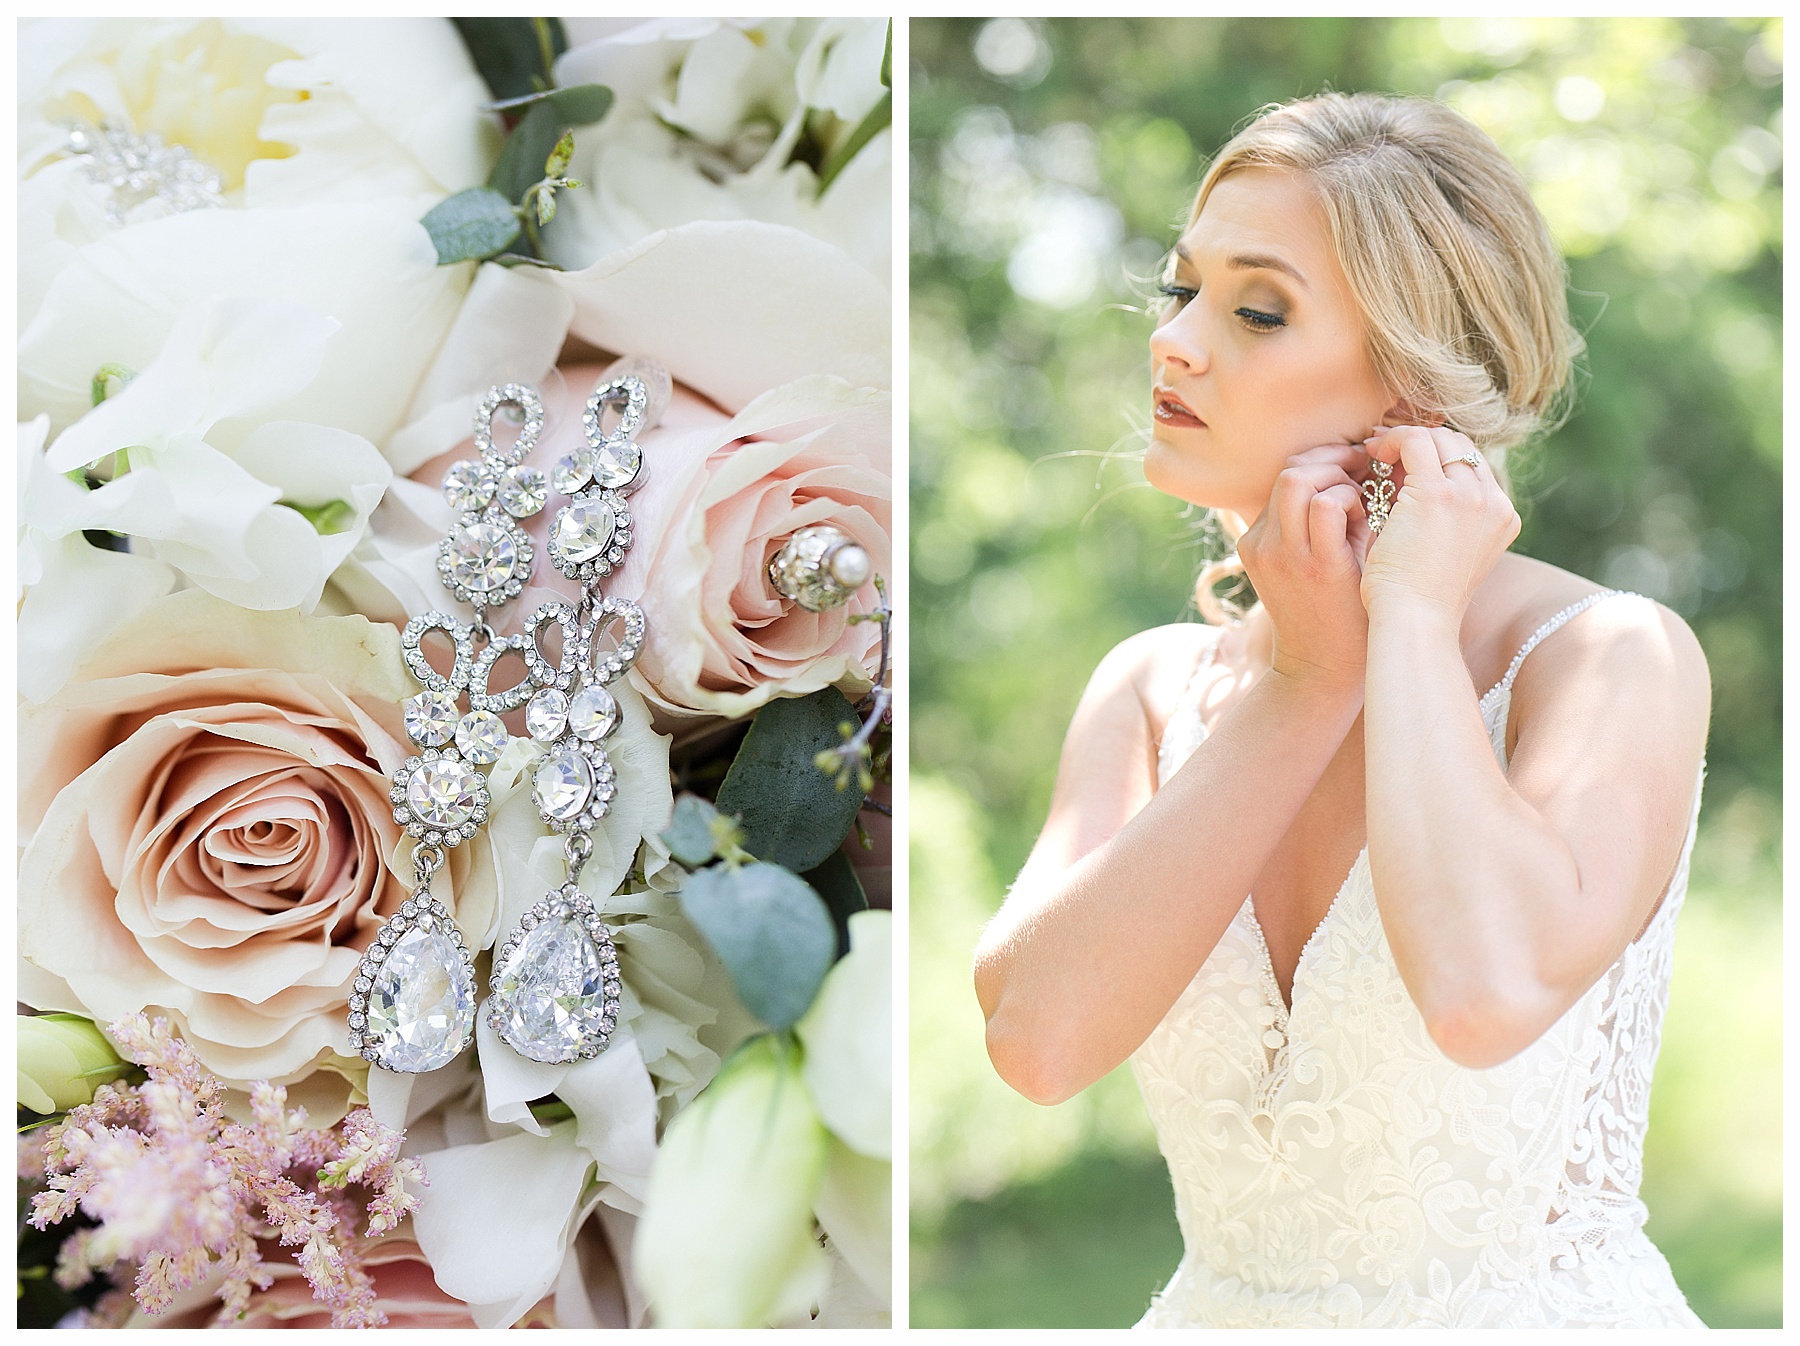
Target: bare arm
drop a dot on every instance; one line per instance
(1129, 888)
(1505, 896)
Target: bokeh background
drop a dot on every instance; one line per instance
(1051, 164)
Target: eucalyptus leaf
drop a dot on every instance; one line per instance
(472, 224)
(514, 56)
(771, 931)
(793, 813)
(521, 161)
(837, 883)
(689, 835)
(577, 105)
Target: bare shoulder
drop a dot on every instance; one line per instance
(1625, 654)
(1150, 670)
(1108, 767)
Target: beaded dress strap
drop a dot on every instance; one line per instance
(1549, 627)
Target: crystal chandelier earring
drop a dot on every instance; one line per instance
(1378, 495)
(555, 984)
(412, 1007)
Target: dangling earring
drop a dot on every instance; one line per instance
(412, 1007)
(1378, 495)
(555, 985)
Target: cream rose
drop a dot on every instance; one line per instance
(781, 419)
(209, 836)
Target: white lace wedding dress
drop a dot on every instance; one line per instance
(1332, 1167)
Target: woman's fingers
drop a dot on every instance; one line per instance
(1299, 484)
(1413, 447)
(1329, 518)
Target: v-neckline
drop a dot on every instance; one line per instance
(1284, 1007)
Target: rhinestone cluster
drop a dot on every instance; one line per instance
(819, 567)
(134, 169)
(438, 798)
(486, 558)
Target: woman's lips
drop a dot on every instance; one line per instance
(1171, 410)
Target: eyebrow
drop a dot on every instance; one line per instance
(1251, 261)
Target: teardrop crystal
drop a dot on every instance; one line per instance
(421, 1006)
(550, 991)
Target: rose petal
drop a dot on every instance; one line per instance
(834, 314)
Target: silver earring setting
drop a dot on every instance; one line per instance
(554, 993)
(555, 986)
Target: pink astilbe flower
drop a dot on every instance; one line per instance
(183, 1194)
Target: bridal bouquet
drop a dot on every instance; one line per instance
(269, 272)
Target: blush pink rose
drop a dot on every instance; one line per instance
(209, 837)
(719, 495)
(404, 1291)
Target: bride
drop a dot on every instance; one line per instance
(1416, 1094)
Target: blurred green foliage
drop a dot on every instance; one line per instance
(1051, 165)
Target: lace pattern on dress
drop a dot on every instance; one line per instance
(1332, 1167)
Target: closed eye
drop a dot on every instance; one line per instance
(1257, 320)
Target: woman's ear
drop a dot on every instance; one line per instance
(1403, 412)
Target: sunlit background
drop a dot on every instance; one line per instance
(1051, 162)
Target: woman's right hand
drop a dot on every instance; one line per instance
(1304, 553)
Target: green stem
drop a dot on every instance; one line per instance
(878, 119)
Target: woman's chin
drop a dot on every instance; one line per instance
(1175, 472)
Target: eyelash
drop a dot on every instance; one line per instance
(1255, 319)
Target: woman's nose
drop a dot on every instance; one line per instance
(1178, 342)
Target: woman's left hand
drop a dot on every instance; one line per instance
(1449, 523)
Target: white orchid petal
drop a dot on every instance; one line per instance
(509, 1082)
(82, 595)
(497, 1219)
(370, 266)
(727, 75)
(392, 574)
(614, 1103)
(509, 330)
(848, 1035)
(725, 1239)
(855, 1209)
(390, 1093)
(840, 69)
(224, 357)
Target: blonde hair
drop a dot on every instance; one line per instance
(1461, 289)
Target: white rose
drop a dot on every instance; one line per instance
(330, 139)
(706, 117)
(286, 111)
